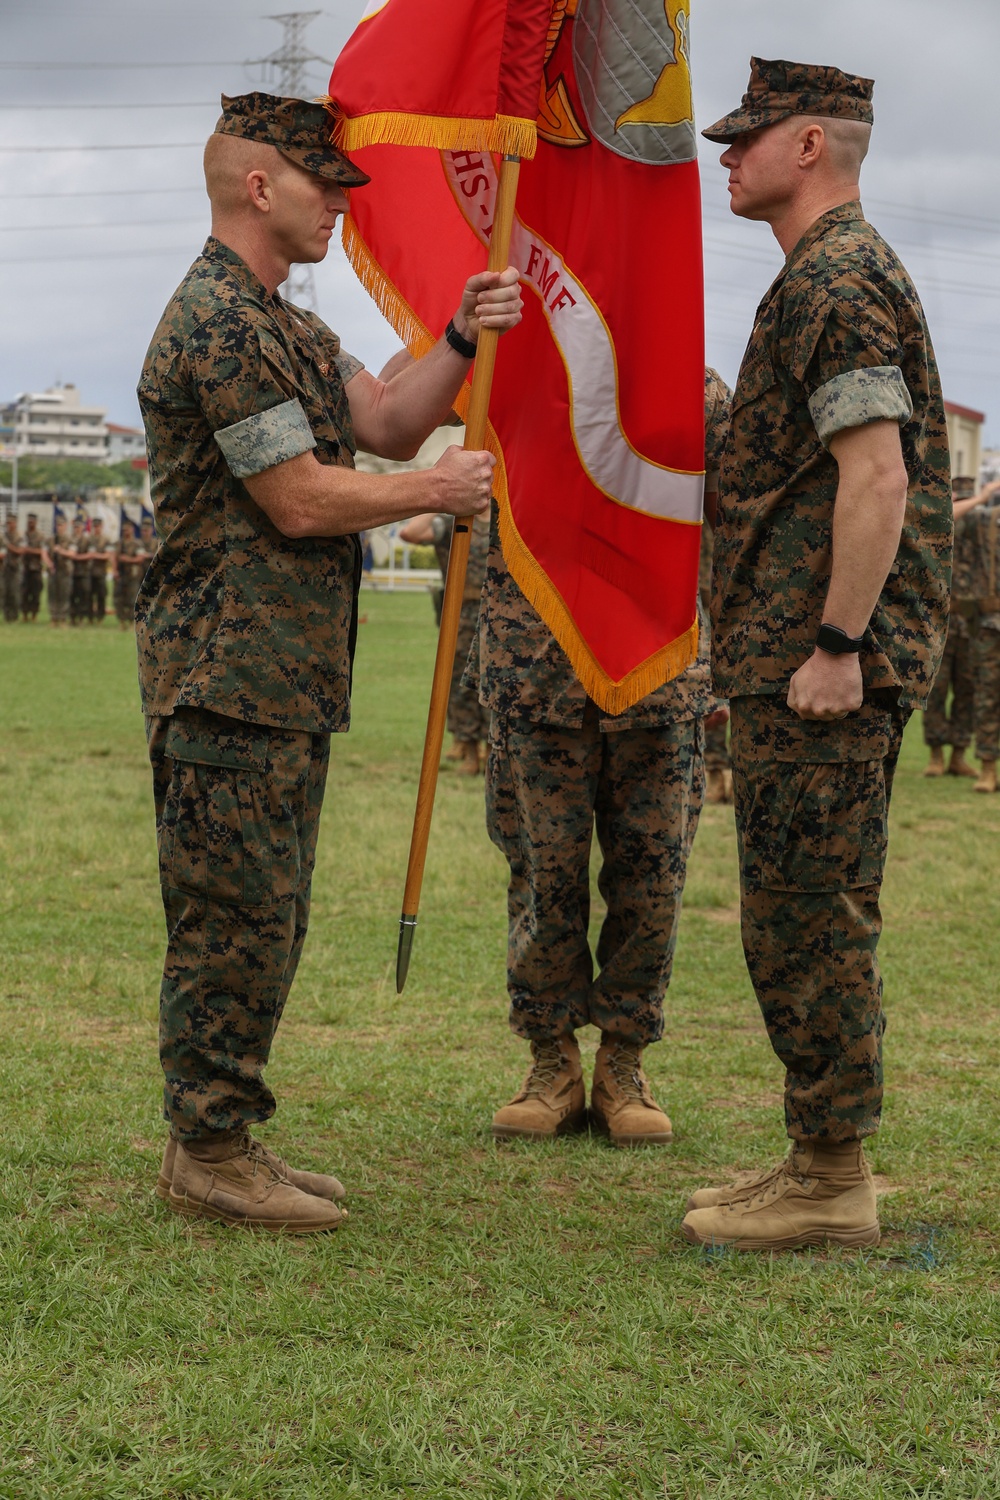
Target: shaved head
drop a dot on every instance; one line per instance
(229, 160)
(847, 142)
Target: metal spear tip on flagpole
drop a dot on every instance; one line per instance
(407, 927)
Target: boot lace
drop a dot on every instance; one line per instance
(625, 1068)
(548, 1061)
(258, 1154)
(766, 1186)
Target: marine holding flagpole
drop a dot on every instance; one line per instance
(246, 621)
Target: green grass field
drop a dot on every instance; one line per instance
(516, 1322)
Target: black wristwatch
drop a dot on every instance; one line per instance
(836, 641)
(465, 347)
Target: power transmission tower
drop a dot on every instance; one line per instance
(285, 68)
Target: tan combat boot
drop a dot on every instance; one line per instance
(958, 765)
(715, 786)
(552, 1100)
(821, 1194)
(987, 777)
(316, 1183)
(620, 1100)
(455, 752)
(231, 1181)
(936, 765)
(469, 764)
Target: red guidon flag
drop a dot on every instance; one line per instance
(597, 415)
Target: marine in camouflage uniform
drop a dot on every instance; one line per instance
(245, 634)
(35, 560)
(951, 723)
(12, 566)
(130, 565)
(839, 342)
(61, 577)
(718, 775)
(557, 769)
(79, 599)
(468, 721)
(100, 552)
(984, 522)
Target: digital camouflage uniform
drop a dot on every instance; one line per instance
(985, 589)
(128, 577)
(245, 639)
(718, 396)
(840, 340)
(79, 598)
(557, 768)
(944, 723)
(467, 719)
(97, 604)
(11, 574)
(33, 568)
(60, 584)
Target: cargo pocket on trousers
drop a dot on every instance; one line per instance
(502, 822)
(818, 817)
(216, 839)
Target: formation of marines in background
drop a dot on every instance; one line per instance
(965, 699)
(75, 562)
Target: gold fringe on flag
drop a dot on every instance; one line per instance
(610, 696)
(509, 135)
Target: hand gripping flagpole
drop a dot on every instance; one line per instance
(475, 439)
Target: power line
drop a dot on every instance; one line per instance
(21, 260)
(131, 146)
(51, 67)
(170, 104)
(934, 216)
(113, 224)
(107, 192)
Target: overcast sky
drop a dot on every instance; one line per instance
(93, 241)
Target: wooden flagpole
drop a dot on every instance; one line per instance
(475, 439)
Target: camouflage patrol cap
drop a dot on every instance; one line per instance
(295, 127)
(963, 488)
(779, 89)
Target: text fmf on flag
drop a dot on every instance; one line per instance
(597, 410)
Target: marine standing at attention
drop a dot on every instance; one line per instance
(36, 561)
(246, 621)
(61, 577)
(558, 771)
(12, 542)
(829, 613)
(951, 723)
(979, 516)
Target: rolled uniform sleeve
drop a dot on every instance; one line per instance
(348, 366)
(858, 397)
(846, 351)
(266, 438)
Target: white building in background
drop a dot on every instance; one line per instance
(124, 443)
(56, 424)
(965, 439)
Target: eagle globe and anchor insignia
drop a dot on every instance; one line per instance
(631, 60)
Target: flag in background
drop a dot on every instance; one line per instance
(597, 411)
(58, 514)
